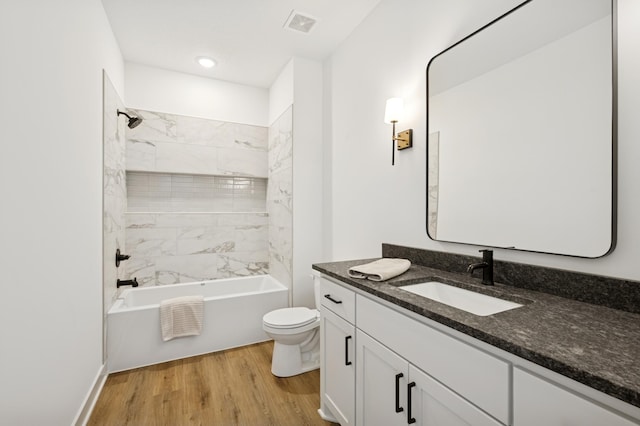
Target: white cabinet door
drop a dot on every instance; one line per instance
(381, 384)
(391, 391)
(432, 404)
(338, 370)
(472, 373)
(539, 402)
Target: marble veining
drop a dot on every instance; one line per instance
(141, 155)
(198, 199)
(593, 344)
(179, 144)
(156, 127)
(114, 191)
(170, 248)
(243, 264)
(280, 198)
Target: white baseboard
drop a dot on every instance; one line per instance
(92, 397)
(326, 416)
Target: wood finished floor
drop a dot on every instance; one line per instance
(232, 387)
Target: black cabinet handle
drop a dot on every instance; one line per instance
(328, 296)
(346, 350)
(399, 409)
(410, 418)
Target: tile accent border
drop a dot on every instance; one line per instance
(167, 192)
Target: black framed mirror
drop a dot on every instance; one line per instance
(521, 124)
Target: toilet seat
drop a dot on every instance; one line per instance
(288, 318)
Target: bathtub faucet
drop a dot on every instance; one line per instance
(132, 283)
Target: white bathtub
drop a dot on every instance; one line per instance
(233, 311)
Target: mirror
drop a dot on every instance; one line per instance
(521, 124)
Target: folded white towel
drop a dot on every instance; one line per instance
(380, 270)
(181, 316)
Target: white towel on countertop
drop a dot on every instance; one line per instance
(380, 270)
(181, 316)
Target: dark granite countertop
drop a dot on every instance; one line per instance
(594, 345)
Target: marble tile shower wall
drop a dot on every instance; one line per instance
(280, 198)
(178, 144)
(114, 193)
(170, 248)
(196, 194)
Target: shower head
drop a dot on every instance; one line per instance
(133, 121)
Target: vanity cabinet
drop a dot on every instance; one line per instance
(378, 357)
(337, 346)
(474, 375)
(537, 401)
(382, 366)
(392, 391)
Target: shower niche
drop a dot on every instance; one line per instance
(173, 192)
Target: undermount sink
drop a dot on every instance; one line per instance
(466, 300)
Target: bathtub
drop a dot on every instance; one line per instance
(233, 311)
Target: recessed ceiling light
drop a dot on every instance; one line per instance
(206, 62)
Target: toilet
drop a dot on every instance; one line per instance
(296, 335)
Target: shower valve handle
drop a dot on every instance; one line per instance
(120, 257)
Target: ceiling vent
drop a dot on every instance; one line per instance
(300, 22)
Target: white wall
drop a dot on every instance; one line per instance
(159, 90)
(51, 216)
(373, 202)
(281, 93)
(300, 83)
(307, 177)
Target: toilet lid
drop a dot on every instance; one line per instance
(290, 317)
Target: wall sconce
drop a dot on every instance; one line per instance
(404, 139)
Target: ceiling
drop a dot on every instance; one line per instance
(246, 38)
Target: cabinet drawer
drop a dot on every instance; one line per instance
(475, 375)
(338, 299)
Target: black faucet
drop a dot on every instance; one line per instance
(132, 283)
(486, 265)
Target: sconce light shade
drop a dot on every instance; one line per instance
(393, 110)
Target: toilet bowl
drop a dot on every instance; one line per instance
(296, 335)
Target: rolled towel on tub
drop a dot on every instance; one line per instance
(380, 270)
(181, 316)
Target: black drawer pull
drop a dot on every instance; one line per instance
(410, 418)
(346, 350)
(399, 409)
(328, 296)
